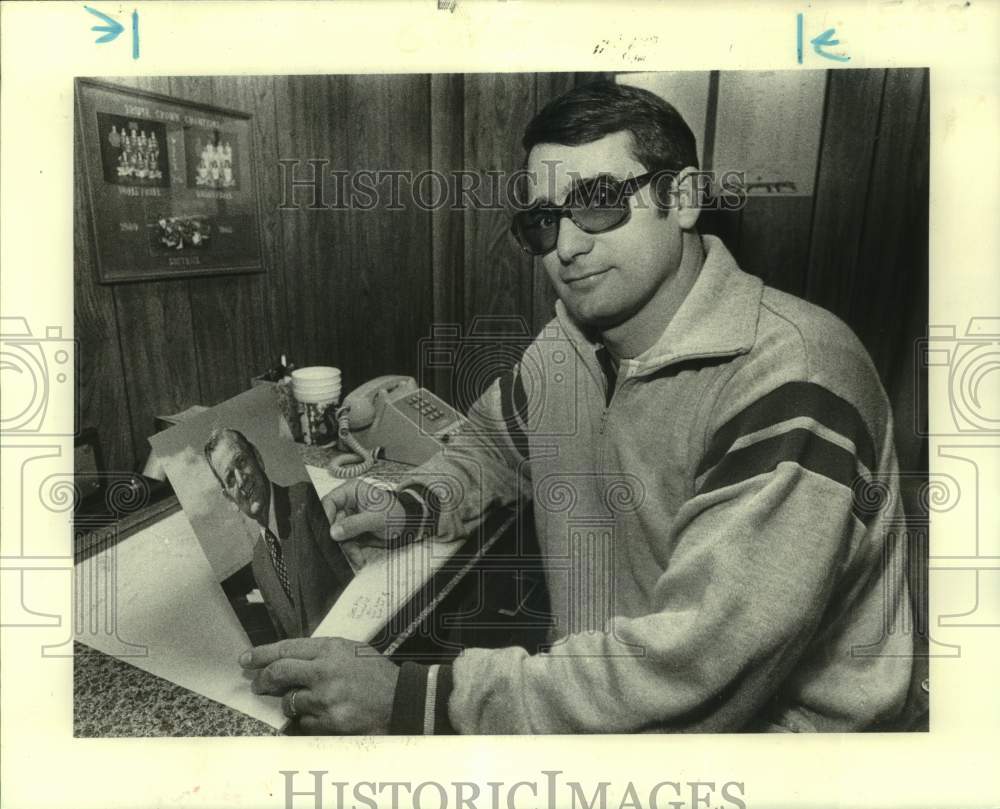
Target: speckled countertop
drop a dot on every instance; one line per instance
(114, 698)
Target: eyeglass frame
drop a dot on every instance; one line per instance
(629, 188)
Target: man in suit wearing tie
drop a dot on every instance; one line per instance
(299, 570)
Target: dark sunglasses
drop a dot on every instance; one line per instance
(594, 206)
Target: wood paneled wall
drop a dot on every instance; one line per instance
(347, 287)
(858, 245)
(361, 288)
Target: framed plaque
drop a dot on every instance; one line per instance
(171, 185)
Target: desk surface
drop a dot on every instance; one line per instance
(114, 698)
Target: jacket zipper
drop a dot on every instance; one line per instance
(604, 414)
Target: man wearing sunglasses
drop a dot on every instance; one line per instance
(701, 485)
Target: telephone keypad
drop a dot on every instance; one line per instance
(425, 408)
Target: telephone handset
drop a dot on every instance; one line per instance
(393, 418)
(360, 404)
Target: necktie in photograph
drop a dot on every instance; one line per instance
(278, 560)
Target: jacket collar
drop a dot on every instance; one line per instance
(718, 318)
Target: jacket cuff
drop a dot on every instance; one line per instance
(411, 528)
(420, 705)
(429, 504)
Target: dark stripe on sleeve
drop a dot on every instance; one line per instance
(442, 724)
(802, 447)
(508, 408)
(793, 400)
(433, 503)
(406, 532)
(408, 703)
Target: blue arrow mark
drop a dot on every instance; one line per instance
(826, 40)
(112, 29)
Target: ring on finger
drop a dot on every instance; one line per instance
(292, 712)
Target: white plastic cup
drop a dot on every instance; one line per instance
(317, 392)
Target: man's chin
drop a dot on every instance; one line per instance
(590, 315)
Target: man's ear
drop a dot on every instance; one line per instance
(688, 196)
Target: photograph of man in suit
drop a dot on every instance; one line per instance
(299, 571)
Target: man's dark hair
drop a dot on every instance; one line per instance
(661, 140)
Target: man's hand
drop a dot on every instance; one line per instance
(369, 515)
(330, 685)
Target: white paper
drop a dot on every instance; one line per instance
(169, 601)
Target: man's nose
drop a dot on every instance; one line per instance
(572, 241)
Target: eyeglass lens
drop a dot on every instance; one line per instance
(594, 206)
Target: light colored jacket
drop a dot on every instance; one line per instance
(722, 534)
